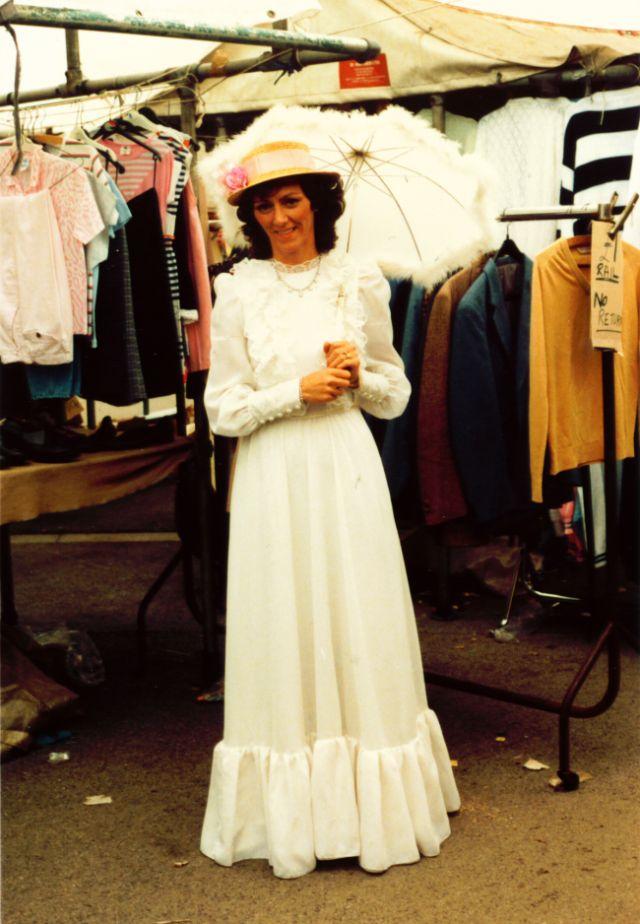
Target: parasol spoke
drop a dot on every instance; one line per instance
(422, 176)
(352, 166)
(364, 155)
(404, 217)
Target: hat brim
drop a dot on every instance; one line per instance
(236, 195)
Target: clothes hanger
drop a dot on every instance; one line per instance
(147, 118)
(50, 138)
(26, 145)
(509, 249)
(120, 127)
(79, 134)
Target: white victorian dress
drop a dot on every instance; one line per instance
(329, 747)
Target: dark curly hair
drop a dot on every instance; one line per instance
(327, 201)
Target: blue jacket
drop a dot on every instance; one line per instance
(489, 394)
(398, 447)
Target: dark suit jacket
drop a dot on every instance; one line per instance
(489, 394)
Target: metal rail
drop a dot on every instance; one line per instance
(287, 60)
(17, 14)
(553, 211)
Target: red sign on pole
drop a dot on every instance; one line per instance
(374, 73)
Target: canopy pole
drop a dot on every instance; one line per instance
(359, 48)
(73, 72)
(283, 61)
(437, 112)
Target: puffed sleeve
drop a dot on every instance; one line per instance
(235, 405)
(384, 389)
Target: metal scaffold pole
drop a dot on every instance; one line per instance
(20, 15)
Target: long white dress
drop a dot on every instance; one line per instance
(329, 747)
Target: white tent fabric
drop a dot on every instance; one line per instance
(428, 46)
(618, 14)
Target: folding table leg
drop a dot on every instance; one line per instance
(9, 612)
(166, 572)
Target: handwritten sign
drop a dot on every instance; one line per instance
(606, 288)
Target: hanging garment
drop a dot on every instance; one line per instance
(97, 250)
(179, 144)
(112, 370)
(62, 381)
(65, 380)
(399, 290)
(144, 170)
(565, 401)
(631, 232)
(188, 297)
(36, 314)
(601, 145)
(458, 128)
(15, 400)
(329, 747)
(522, 142)
(152, 302)
(199, 333)
(81, 154)
(123, 215)
(182, 162)
(599, 137)
(598, 507)
(630, 517)
(398, 448)
(489, 390)
(75, 210)
(442, 497)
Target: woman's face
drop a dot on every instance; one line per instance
(285, 215)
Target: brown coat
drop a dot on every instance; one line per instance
(442, 497)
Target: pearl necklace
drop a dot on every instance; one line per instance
(284, 269)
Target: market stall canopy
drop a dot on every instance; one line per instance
(427, 48)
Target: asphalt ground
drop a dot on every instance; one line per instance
(519, 851)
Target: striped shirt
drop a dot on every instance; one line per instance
(599, 138)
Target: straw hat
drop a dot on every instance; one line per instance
(271, 162)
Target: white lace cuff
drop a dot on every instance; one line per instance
(373, 386)
(277, 401)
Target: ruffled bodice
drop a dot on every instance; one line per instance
(275, 316)
(266, 337)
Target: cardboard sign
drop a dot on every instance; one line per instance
(374, 73)
(606, 288)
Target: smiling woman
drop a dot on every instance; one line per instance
(330, 749)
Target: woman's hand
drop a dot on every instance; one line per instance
(324, 386)
(342, 354)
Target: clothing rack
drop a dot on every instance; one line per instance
(285, 50)
(603, 605)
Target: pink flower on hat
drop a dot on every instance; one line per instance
(235, 178)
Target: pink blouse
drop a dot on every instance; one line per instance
(198, 333)
(142, 170)
(79, 220)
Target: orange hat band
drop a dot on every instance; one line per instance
(270, 160)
